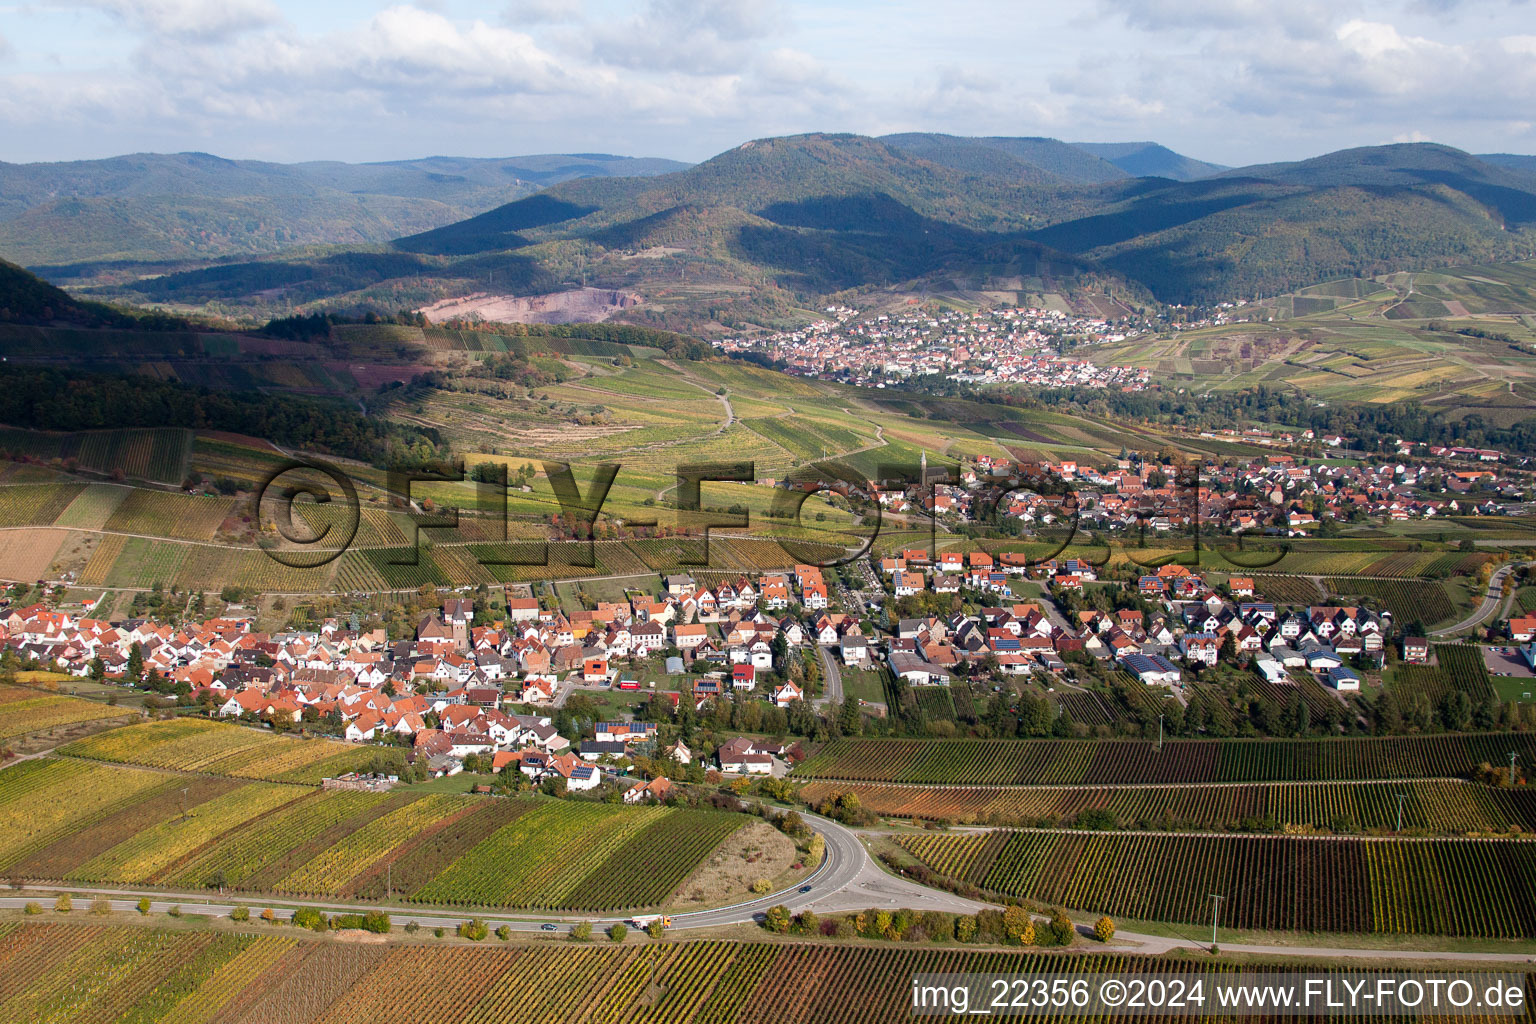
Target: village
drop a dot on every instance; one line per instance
(1020, 345)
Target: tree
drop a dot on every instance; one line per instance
(474, 930)
(240, 913)
(655, 929)
(777, 919)
(1018, 926)
(63, 904)
(617, 932)
(1104, 929)
(582, 931)
(144, 905)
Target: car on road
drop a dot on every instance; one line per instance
(805, 888)
(547, 928)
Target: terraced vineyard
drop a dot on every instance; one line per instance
(26, 712)
(142, 827)
(1120, 762)
(74, 970)
(1436, 806)
(1462, 888)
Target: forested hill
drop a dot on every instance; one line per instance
(782, 223)
(822, 198)
(1268, 229)
(164, 206)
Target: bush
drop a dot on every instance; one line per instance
(412, 928)
(762, 887)
(268, 916)
(474, 929)
(504, 933)
(846, 929)
(101, 906)
(1104, 930)
(376, 921)
(1061, 929)
(777, 919)
(309, 917)
(617, 932)
(64, 904)
(174, 910)
(144, 905)
(33, 908)
(240, 913)
(655, 929)
(582, 932)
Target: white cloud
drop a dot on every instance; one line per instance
(523, 13)
(187, 19)
(1413, 136)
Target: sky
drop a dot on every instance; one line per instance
(1231, 81)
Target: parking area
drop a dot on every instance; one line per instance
(1507, 661)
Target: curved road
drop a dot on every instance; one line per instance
(1491, 601)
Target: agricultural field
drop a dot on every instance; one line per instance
(68, 970)
(145, 827)
(1122, 762)
(27, 712)
(1434, 806)
(160, 454)
(1460, 667)
(35, 504)
(93, 506)
(1408, 600)
(1464, 888)
(582, 856)
(223, 748)
(164, 514)
(28, 555)
(142, 563)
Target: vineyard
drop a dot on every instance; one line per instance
(1291, 590)
(1407, 600)
(25, 712)
(1463, 888)
(1460, 667)
(35, 504)
(1121, 762)
(73, 820)
(162, 514)
(221, 748)
(1436, 806)
(68, 970)
(157, 454)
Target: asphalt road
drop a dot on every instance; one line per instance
(831, 678)
(1491, 601)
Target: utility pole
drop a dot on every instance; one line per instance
(1215, 914)
(1512, 756)
(1400, 798)
(389, 880)
(1160, 732)
(184, 801)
